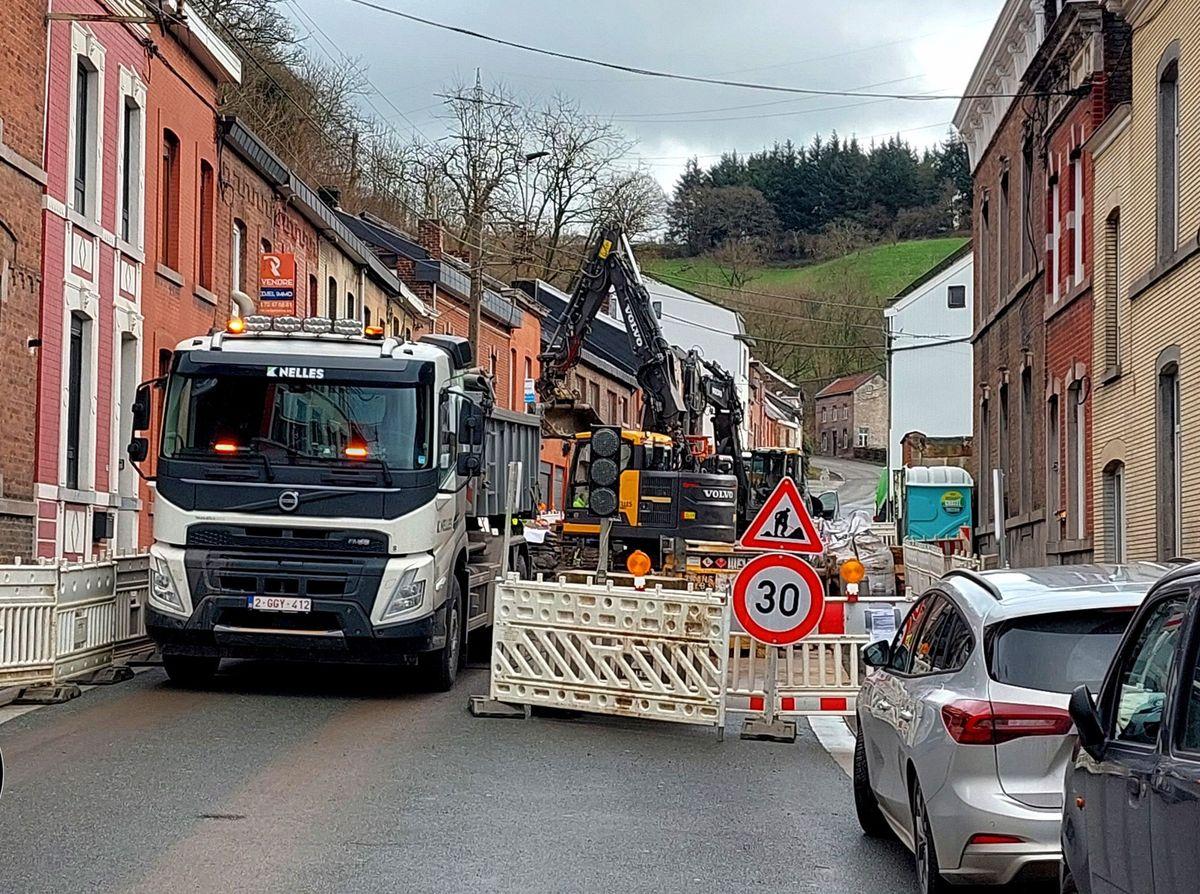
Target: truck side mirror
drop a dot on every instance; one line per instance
(141, 407)
(139, 449)
(470, 424)
(469, 464)
(1087, 722)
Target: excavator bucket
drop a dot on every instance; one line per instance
(563, 418)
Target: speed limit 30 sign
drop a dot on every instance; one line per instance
(778, 599)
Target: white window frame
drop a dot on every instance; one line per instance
(1077, 213)
(1056, 241)
(86, 48)
(85, 303)
(132, 95)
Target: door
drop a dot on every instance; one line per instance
(1175, 785)
(883, 724)
(1118, 786)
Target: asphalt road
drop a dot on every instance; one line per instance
(855, 482)
(289, 780)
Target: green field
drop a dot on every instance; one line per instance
(882, 270)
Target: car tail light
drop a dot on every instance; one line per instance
(973, 722)
(992, 838)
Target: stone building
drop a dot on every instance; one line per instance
(1145, 468)
(22, 178)
(1002, 124)
(852, 415)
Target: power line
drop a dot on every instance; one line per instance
(695, 79)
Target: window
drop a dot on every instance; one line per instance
(1142, 687)
(1053, 457)
(956, 297)
(1027, 247)
(1168, 152)
(352, 309)
(1076, 472)
(237, 262)
(845, 439)
(131, 143)
(1027, 461)
(85, 133)
(1055, 240)
(1079, 212)
(657, 305)
(1169, 435)
(265, 245)
(625, 410)
(862, 436)
(823, 413)
(1112, 291)
(1189, 736)
(825, 442)
(846, 412)
(168, 202)
(985, 461)
(331, 297)
(313, 297)
(1003, 224)
(516, 392)
(75, 391)
(1056, 652)
(395, 327)
(1005, 466)
(1114, 512)
(985, 227)
(945, 642)
(205, 226)
(366, 317)
(595, 396)
(906, 637)
(492, 363)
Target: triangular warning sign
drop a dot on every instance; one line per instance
(784, 523)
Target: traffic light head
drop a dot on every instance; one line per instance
(604, 472)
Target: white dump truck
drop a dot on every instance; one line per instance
(325, 492)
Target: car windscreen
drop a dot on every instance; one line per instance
(301, 422)
(1057, 652)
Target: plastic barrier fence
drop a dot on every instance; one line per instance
(656, 654)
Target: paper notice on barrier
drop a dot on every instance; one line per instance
(881, 623)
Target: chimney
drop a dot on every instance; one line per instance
(429, 237)
(330, 195)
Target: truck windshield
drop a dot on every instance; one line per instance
(298, 422)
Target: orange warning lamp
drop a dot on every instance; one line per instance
(638, 563)
(373, 331)
(225, 447)
(235, 326)
(356, 451)
(853, 571)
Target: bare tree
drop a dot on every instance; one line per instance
(635, 199)
(481, 157)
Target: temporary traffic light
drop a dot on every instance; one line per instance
(604, 472)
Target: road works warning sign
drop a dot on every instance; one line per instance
(784, 523)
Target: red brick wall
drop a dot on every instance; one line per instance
(22, 74)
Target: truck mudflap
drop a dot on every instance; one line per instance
(335, 631)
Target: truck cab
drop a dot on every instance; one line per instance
(310, 497)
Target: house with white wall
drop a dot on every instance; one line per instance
(930, 360)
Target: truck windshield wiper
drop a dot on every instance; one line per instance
(375, 461)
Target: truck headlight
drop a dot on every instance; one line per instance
(162, 585)
(409, 593)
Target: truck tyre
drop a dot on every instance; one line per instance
(190, 671)
(870, 817)
(439, 669)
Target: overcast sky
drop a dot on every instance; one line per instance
(909, 46)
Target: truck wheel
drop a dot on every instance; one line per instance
(190, 671)
(440, 669)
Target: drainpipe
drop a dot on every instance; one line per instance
(243, 304)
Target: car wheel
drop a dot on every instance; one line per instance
(929, 874)
(440, 668)
(1066, 881)
(190, 671)
(870, 817)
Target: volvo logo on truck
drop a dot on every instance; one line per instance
(717, 493)
(289, 500)
(295, 372)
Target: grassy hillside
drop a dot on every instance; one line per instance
(883, 270)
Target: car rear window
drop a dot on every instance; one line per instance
(1057, 652)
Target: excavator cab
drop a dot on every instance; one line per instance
(766, 468)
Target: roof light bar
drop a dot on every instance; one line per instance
(347, 327)
(257, 323)
(287, 324)
(317, 325)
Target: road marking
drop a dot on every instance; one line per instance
(835, 737)
(12, 712)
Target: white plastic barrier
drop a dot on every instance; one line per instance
(657, 654)
(925, 563)
(821, 674)
(60, 620)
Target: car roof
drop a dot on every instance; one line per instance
(1011, 592)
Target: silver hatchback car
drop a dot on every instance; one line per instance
(963, 732)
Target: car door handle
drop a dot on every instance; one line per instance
(905, 715)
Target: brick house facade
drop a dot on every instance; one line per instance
(1084, 50)
(1009, 223)
(185, 282)
(93, 254)
(852, 413)
(22, 178)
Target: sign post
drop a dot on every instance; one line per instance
(778, 599)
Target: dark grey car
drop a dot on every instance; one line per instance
(1131, 817)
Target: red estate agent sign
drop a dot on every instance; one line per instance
(778, 599)
(784, 523)
(277, 276)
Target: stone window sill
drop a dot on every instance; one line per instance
(204, 295)
(1165, 268)
(170, 275)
